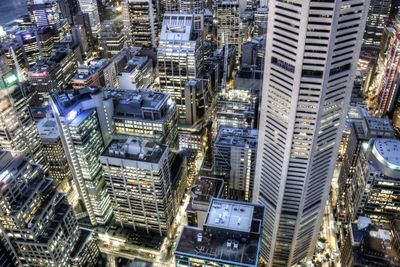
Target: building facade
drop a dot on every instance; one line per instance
(309, 72)
(84, 121)
(138, 178)
(234, 153)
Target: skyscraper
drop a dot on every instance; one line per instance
(179, 58)
(140, 22)
(84, 120)
(378, 14)
(18, 133)
(90, 7)
(138, 179)
(37, 225)
(309, 72)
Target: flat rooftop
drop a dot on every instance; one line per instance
(48, 128)
(235, 241)
(230, 215)
(177, 27)
(380, 124)
(207, 188)
(239, 137)
(387, 151)
(135, 149)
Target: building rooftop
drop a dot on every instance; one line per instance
(86, 71)
(230, 215)
(48, 129)
(380, 124)
(207, 188)
(137, 62)
(236, 245)
(372, 244)
(135, 149)
(239, 137)
(177, 27)
(134, 103)
(387, 151)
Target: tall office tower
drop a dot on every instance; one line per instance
(375, 185)
(236, 108)
(228, 24)
(44, 13)
(57, 168)
(140, 22)
(18, 133)
(179, 58)
(68, 9)
(90, 7)
(387, 80)
(378, 15)
(138, 178)
(36, 222)
(145, 114)
(84, 119)
(53, 74)
(230, 236)
(361, 131)
(234, 158)
(309, 72)
(30, 47)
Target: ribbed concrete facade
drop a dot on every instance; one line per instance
(312, 52)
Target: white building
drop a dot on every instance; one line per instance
(312, 52)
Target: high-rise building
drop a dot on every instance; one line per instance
(53, 74)
(38, 226)
(361, 132)
(375, 184)
(184, 6)
(44, 12)
(378, 15)
(18, 133)
(57, 164)
(179, 58)
(145, 114)
(138, 178)
(112, 39)
(140, 22)
(387, 80)
(234, 153)
(236, 108)
(138, 74)
(90, 7)
(84, 120)
(230, 236)
(309, 72)
(30, 47)
(228, 24)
